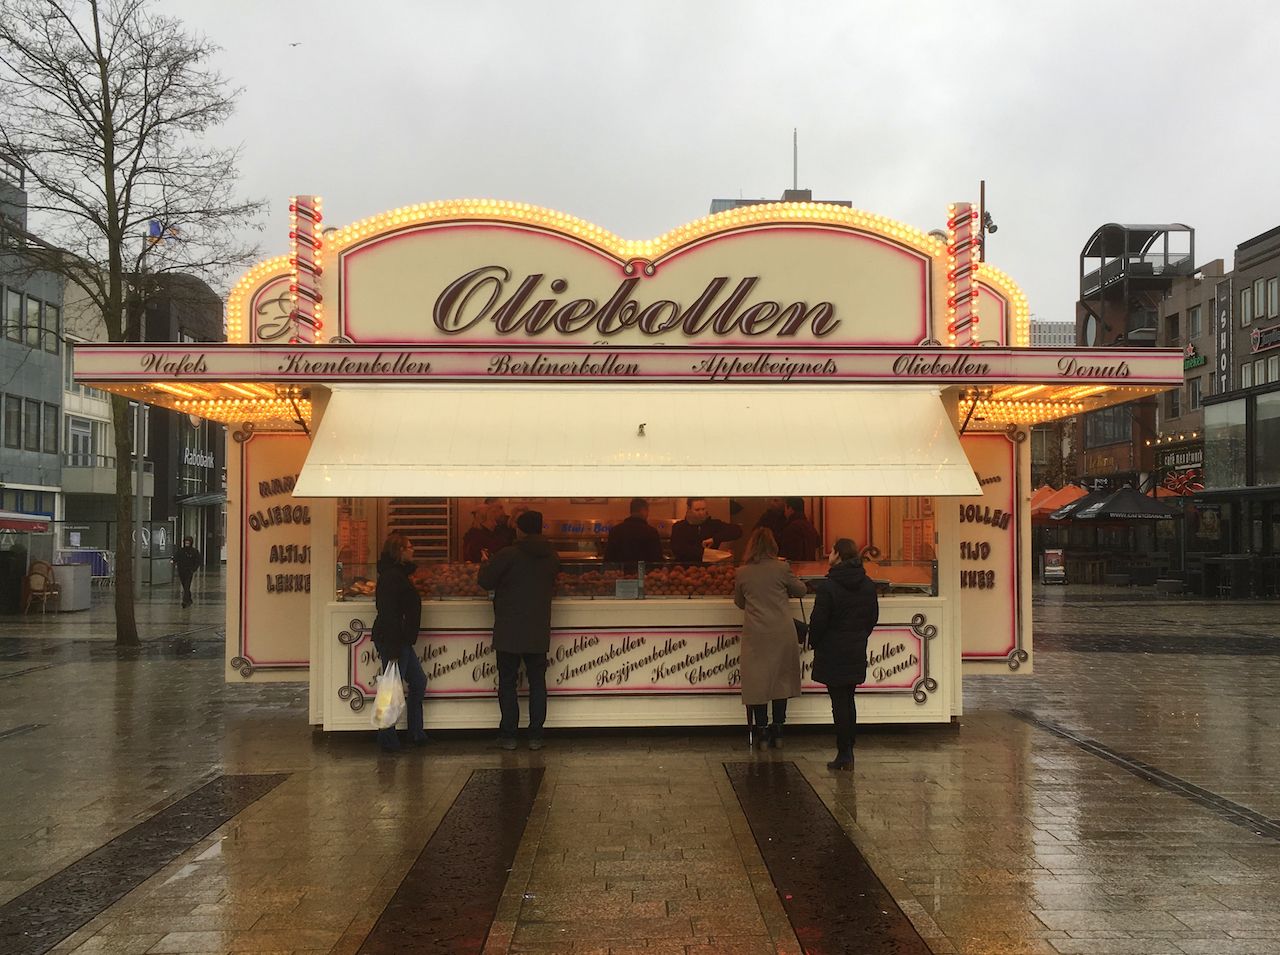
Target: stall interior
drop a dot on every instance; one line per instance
(453, 536)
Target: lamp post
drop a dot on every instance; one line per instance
(985, 222)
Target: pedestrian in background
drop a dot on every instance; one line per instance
(395, 633)
(188, 560)
(845, 611)
(523, 580)
(763, 588)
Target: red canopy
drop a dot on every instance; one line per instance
(1057, 499)
(1040, 494)
(9, 521)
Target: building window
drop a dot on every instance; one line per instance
(1224, 444)
(1246, 306)
(1108, 426)
(33, 322)
(1266, 439)
(53, 329)
(1260, 371)
(1273, 298)
(1193, 394)
(30, 425)
(79, 442)
(1194, 322)
(12, 421)
(1273, 369)
(1171, 329)
(1259, 298)
(13, 315)
(1246, 375)
(1175, 404)
(52, 428)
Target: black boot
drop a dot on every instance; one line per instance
(775, 735)
(843, 760)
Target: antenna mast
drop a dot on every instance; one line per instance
(795, 158)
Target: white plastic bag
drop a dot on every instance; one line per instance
(388, 705)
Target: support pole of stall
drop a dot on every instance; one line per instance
(139, 420)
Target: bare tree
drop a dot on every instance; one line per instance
(106, 106)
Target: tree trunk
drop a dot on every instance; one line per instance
(126, 620)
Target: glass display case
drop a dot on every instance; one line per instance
(896, 536)
(444, 581)
(450, 580)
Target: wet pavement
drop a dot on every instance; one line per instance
(1121, 799)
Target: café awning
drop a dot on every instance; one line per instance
(618, 441)
(12, 521)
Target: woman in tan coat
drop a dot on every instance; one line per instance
(763, 587)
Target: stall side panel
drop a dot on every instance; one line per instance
(992, 552)
(268, 618)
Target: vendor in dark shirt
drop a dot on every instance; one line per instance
(698, 531)
(634, 539)
(774, 517)
(485, 538)
(798, 539)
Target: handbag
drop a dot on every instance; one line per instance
(388, 705)
(802, 626)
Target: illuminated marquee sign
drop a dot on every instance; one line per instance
(445, 364)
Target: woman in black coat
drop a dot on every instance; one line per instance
(395, 631)
(845, 611)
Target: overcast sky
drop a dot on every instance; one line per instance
(636, 115)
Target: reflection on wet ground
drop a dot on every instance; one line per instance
(1118, 799)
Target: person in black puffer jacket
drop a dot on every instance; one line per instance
(845, 611)
(395, 631)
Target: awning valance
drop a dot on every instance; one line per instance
(12, 521)
(545, 441)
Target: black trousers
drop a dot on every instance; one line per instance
(185, 576)
(844, 711)
(759, 712)
(535, 669)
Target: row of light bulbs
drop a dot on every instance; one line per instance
(525, 213)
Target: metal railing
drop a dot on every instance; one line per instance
(106, 461)
(1141, 266)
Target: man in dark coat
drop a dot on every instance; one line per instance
(635, 538)
(188, 561)
(698, 531)
(845, 611)
(523, 580)
(798, 539)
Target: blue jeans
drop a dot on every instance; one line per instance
(415, 685)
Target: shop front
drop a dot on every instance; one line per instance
(434, 369)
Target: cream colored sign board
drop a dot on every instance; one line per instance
(268, 615)
(498, 283)
(991, 584)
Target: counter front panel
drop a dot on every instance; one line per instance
(651, 662)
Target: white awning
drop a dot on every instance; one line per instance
(618, 441)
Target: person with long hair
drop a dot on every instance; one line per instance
(763, 588)
(395, 632)
(845, 611)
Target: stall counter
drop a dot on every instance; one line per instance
(652, 662)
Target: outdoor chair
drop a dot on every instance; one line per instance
(40, 587)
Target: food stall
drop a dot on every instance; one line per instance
(406, 371)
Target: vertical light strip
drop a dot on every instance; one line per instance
(962, 287)
(305, 260)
